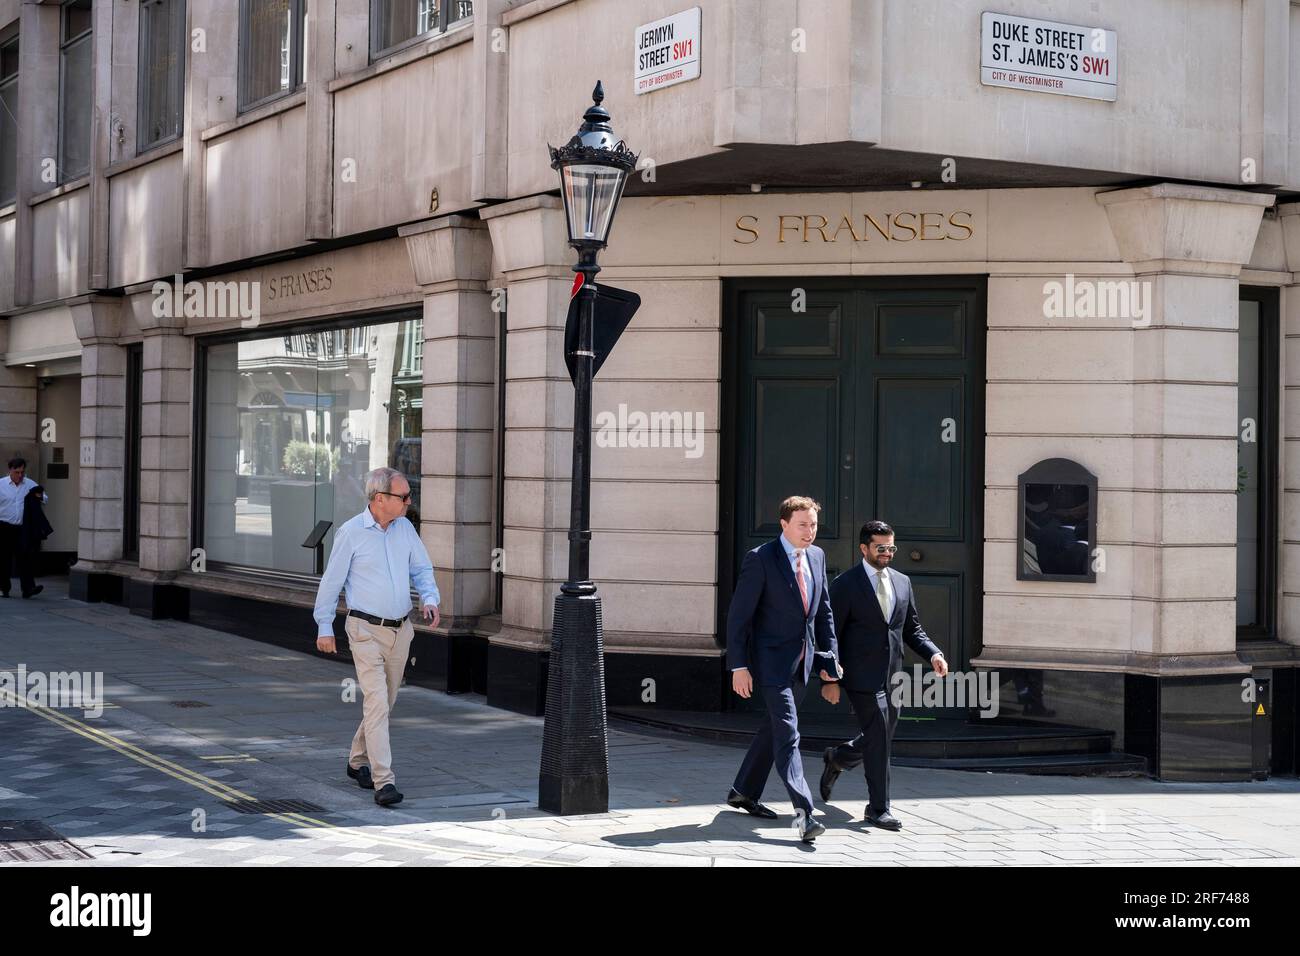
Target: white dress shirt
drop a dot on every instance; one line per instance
(807, 573)
(12, 497)
(375, 567)
(889, 588)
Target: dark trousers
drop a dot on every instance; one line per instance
(877, 719)
(777, 742)
(13, 552)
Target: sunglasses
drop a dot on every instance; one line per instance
(886, 549)
(406, 497)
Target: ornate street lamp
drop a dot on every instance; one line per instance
(593, 168)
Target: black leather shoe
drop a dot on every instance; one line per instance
(362, 776)
(885, 820)
(830, 773)
(812, 829)
(388, 796)
(735, 799)
(34, 591)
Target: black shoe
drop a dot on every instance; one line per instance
(734, 799)
(830, 774)
(33, 592)
(362, 776)
(388, 796)
(885, 820)
(812, 829)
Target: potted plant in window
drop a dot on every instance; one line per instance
(297, 500)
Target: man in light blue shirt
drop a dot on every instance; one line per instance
(376, 558)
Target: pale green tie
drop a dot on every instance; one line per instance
(882, 594)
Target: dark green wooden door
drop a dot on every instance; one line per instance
(869, 400)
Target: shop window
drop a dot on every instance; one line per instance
(75, 90)
(398, 23)
(8, 114)
(272, 52)
(162, 72)
(292, 425)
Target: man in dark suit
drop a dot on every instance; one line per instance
(779, 621)
(875, 613)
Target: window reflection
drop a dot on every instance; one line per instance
(1058, 536)
(294, 423)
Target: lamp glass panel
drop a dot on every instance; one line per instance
(591, 192)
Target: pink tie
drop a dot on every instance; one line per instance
(803, 593)
(798, 574)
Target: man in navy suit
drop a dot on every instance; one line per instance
(875, 614)
(779, 620)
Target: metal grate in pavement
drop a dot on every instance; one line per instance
(30, 841)
(275, 806)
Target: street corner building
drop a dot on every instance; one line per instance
(1023, 287)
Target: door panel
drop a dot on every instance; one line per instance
(797, 416)
(796, 441)
(870, 401)
(918, 461)
(939, 606)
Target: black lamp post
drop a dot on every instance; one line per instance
(593, 168)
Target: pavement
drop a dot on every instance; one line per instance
(197, 724)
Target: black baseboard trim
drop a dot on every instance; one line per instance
(516, 679)
(157, 601)
(95, 587)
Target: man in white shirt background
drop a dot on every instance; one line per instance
(13, 548)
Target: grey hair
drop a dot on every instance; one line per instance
(379, 480)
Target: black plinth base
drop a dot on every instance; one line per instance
(156, 600)
(574, 795)
(94, 586)
(575, 744)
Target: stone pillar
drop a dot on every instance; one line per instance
(1145, 397)
(320, 119)
(1183, 686)
(166, 435)
(1289, 505)
(529, 242)
(1189, 244)
(451, 258)
(489, 97)
(102, 452)
(38, 131)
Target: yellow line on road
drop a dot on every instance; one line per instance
(227, 793)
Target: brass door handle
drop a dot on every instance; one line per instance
(915, 555)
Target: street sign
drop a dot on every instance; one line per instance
(1047, 57)
(667, 51)
(614, 310)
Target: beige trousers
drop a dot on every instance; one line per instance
(380, 654)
